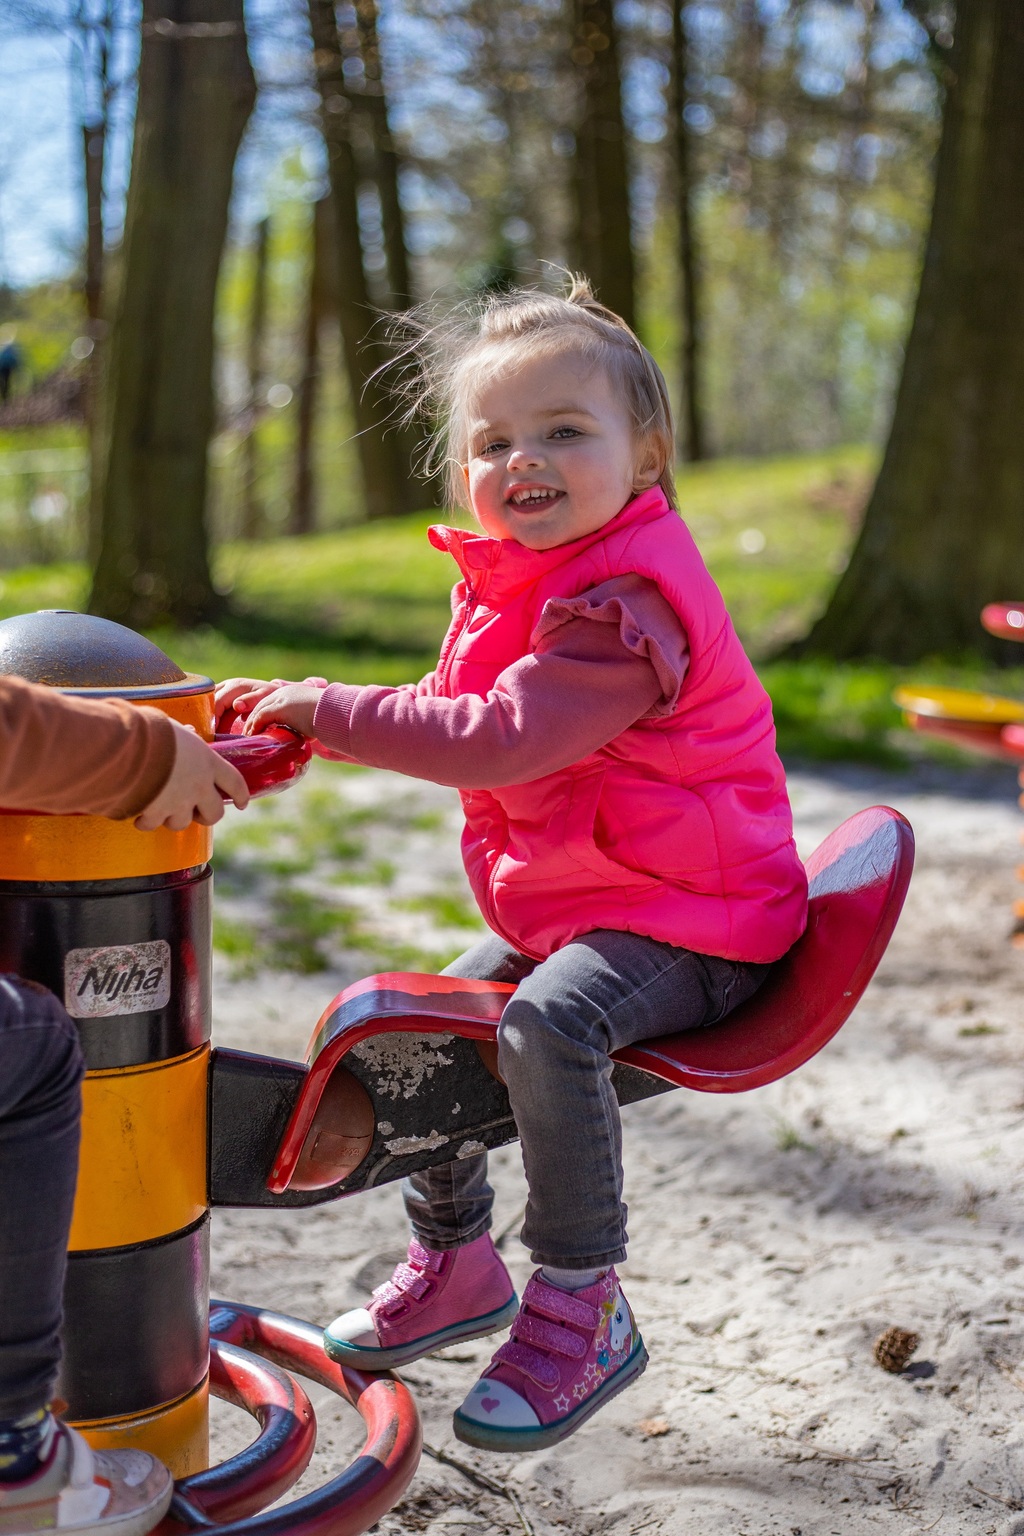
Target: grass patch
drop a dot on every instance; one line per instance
(788, 1138)
(447, 908)
(371, 604)
(775, 534)
(303, 881)
(826, 711)
(42, 586)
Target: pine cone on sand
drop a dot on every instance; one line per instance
(894, 1349)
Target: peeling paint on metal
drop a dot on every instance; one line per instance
(386, 1128)
(470, 1149)
(400, 1063)
(403, 1145)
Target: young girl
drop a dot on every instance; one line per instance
(628, 835)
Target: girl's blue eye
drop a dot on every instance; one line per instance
(566, 432)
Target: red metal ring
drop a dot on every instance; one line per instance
(279, 1455)
(347, 1505)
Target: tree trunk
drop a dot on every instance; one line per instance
(944, 531)
(94, 140)
(94, 41)
(253, 520)
(388, 484)
(851, 177)
(196, 91)
(303, 511)
(691, 415)
(601, 174)
(387, 163)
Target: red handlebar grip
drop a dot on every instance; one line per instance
(268, 762)
(1005, 620)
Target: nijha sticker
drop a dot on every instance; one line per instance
(117, 979)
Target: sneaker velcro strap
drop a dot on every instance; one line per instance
(563, 1306)
(531, 1362)
(389, 1299)
(408, 1281)
(534, 1330)
(423, 1258)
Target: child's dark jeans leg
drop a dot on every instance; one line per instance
(40, 1113)
(603, 991)
(451, 1204)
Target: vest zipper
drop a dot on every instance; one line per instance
(447, 655)
(491, 913)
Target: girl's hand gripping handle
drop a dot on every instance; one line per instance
(269, 762)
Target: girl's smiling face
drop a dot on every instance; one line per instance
(551, 453)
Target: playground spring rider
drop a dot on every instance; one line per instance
(402, 1074)
(987, 723)
(117, 922)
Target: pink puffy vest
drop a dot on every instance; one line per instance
(680, 828)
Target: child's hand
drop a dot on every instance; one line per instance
(197, 787)
(294, 704)
(240, 695)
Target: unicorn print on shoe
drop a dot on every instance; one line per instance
(434, 1298)
(569, 1352)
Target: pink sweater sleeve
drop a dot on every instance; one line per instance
(423, 689)
(593, 674)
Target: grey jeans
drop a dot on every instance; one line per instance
(40, 1109)
(603, 991)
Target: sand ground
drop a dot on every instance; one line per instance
(773, 1236)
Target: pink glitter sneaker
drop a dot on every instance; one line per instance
(432, 1300)
(570, 1351)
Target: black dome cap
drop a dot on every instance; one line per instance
(77, 650)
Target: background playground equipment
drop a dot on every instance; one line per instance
(987, 723)
(402, 1074)
(117, 922)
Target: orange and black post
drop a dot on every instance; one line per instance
(117, 923)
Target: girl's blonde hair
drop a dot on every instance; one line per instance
(441, 361)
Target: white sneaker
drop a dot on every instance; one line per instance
(77, 1489)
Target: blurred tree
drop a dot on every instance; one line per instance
(691, 413)
(498, 171)
(253, 520)
(318, 303)
(95, 41)
(944, 530)
(600, 179)
(196, 91)
(500, 68)
(389, 483)
(371, 99)
(810, 126)
(811, 130)
(852, 152)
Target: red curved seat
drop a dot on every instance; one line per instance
(858, 880)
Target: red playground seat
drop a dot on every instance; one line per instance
(858, 881)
